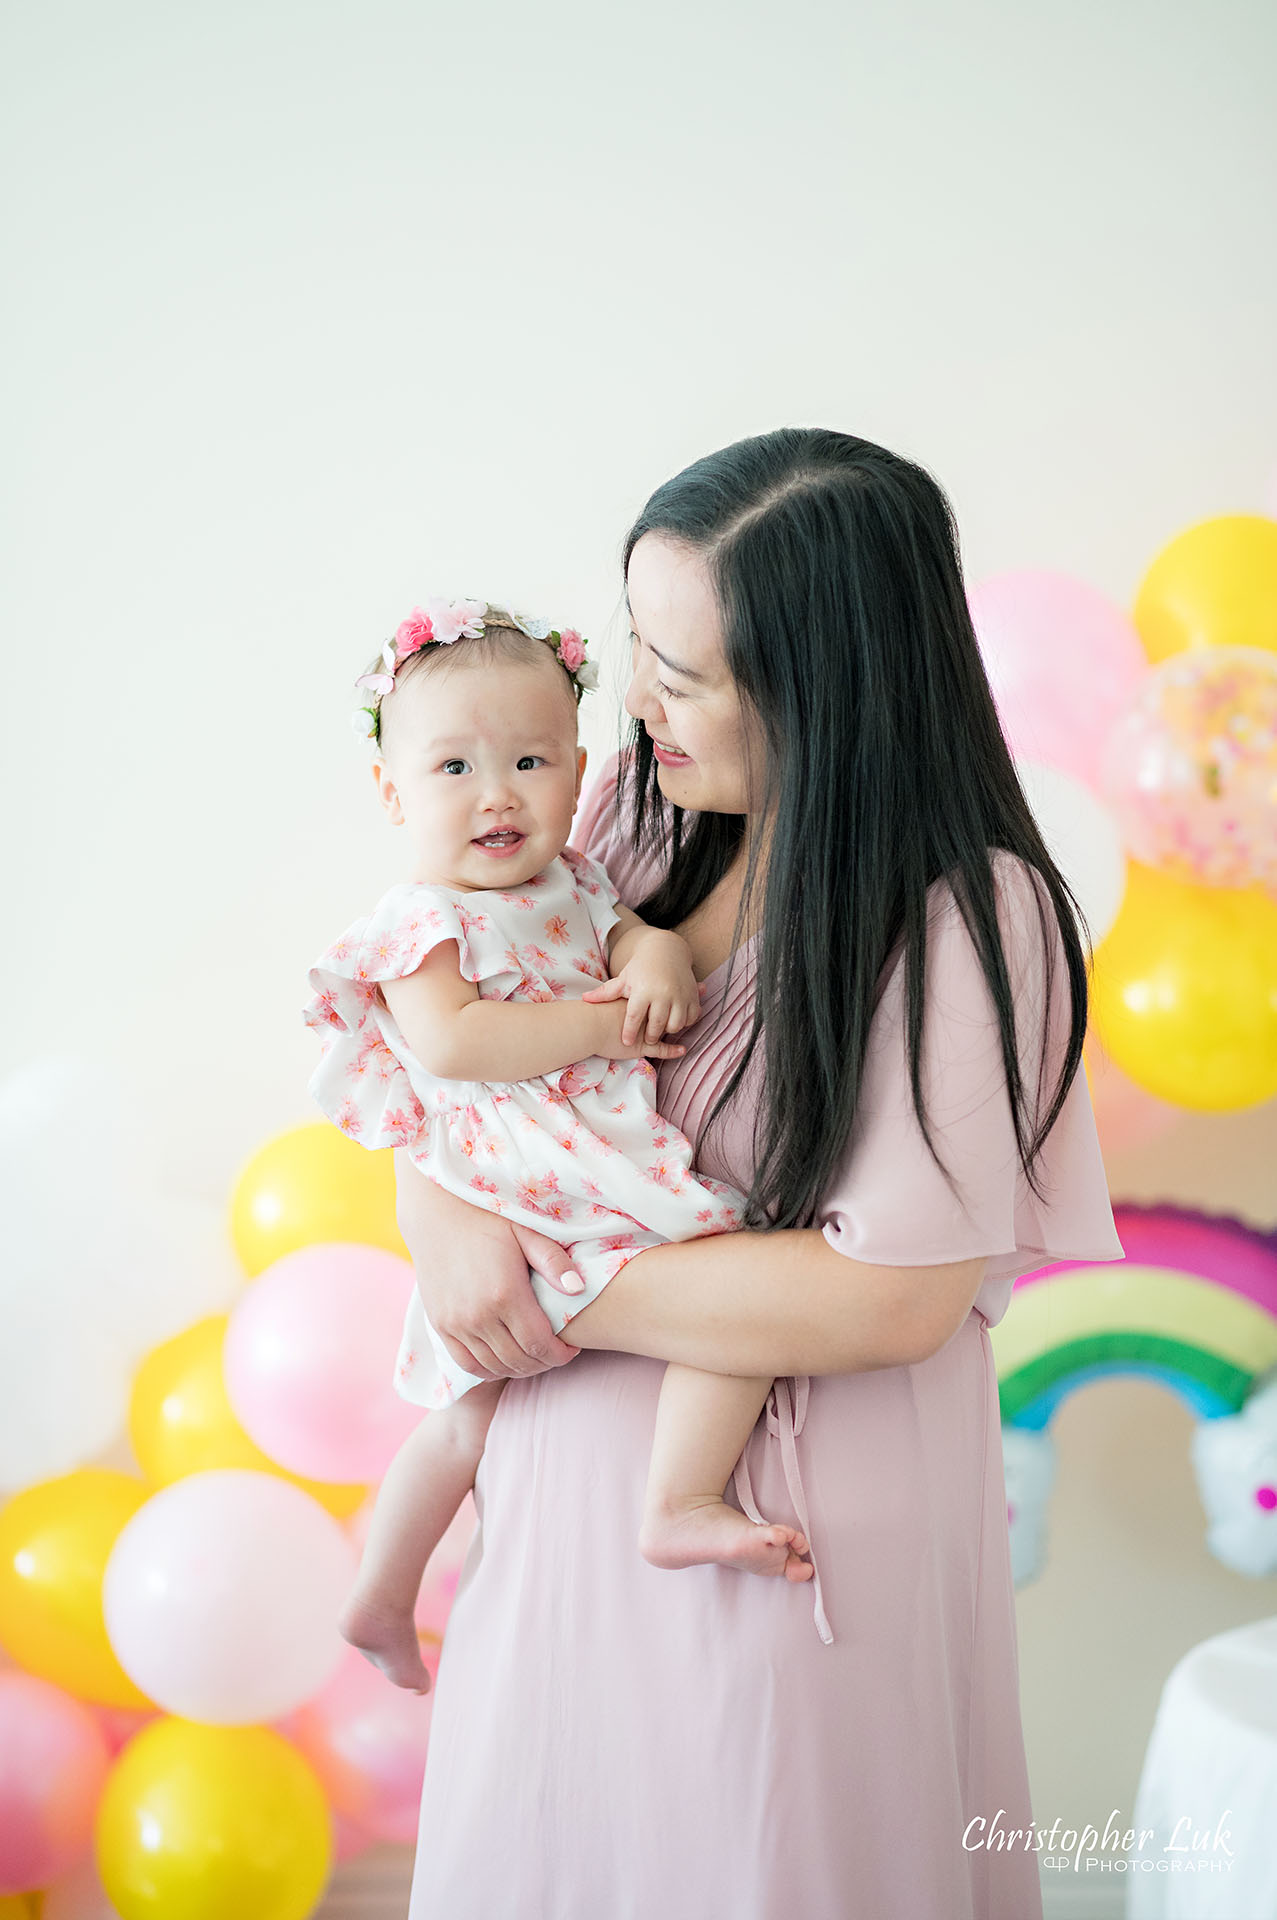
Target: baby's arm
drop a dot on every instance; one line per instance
(457, 1035)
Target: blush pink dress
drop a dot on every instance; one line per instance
(611, 1741)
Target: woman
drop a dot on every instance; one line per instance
(818, 796)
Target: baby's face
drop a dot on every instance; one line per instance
(473, 751)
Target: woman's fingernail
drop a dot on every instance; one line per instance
(573, 1281)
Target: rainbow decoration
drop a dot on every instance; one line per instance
(1193, 1305)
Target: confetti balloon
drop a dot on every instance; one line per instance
(1190, 768)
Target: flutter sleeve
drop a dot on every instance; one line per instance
(598, 896)
(362, 1081)
(889, 1204)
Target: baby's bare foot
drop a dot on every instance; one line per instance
(706, 1530)
(388, 1637)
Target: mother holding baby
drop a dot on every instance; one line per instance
(817, 795)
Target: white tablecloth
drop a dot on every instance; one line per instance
(1209, 1786)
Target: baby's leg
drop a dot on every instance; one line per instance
(423, 1486)
(702, 1424)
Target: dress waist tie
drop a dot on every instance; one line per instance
(785, 1419)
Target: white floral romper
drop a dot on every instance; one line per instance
(582, 1154)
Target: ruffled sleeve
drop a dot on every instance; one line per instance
(361, 1082)
(889, 1204)
(597, 894)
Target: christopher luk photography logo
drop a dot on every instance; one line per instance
(1187, 1847)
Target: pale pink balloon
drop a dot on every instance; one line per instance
(349, 1838)
(309, 1361)
(79, 1896)
(434, 1603)
(53, 1764)
(446, 1561)
(1125, 1115)
(367, 1740)
(221, 1596)
(1062, 661)
(119, 1724)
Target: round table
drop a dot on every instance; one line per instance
(1205, 1814)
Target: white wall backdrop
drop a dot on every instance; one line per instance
(316, 309)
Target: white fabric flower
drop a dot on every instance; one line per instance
(535, 629)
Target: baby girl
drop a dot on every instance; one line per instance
(465, 1020)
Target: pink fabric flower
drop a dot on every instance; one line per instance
(571, 649)
(456, 619)
(413, 633)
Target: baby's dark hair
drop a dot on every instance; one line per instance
(500, 640)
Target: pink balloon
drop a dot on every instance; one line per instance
(349, 1839)
(119, 1724)
(221, 1596)
(309, 1361)
(444, 1563)
(1062, 662)
(53, 1763)
(367, 1739)
(80, 1896)
(1125, 1115)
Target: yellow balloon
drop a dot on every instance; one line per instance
(1184, 994)
(309, 1186)
(181, 1420)
(209, 1822)
(1215, 585)
(55, 1539)
(15, 1906)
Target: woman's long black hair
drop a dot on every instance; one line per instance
(846, 629)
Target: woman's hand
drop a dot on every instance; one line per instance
(472, 1275)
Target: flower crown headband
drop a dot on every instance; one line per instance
(440, 623)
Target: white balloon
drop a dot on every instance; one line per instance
(1082, 837)
(1028, 1465)
(96, 1265)
(221, 1596)
(1235, 1460)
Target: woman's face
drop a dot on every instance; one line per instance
(682, 691)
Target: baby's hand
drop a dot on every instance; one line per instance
(611, 1043)
(661, 992)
